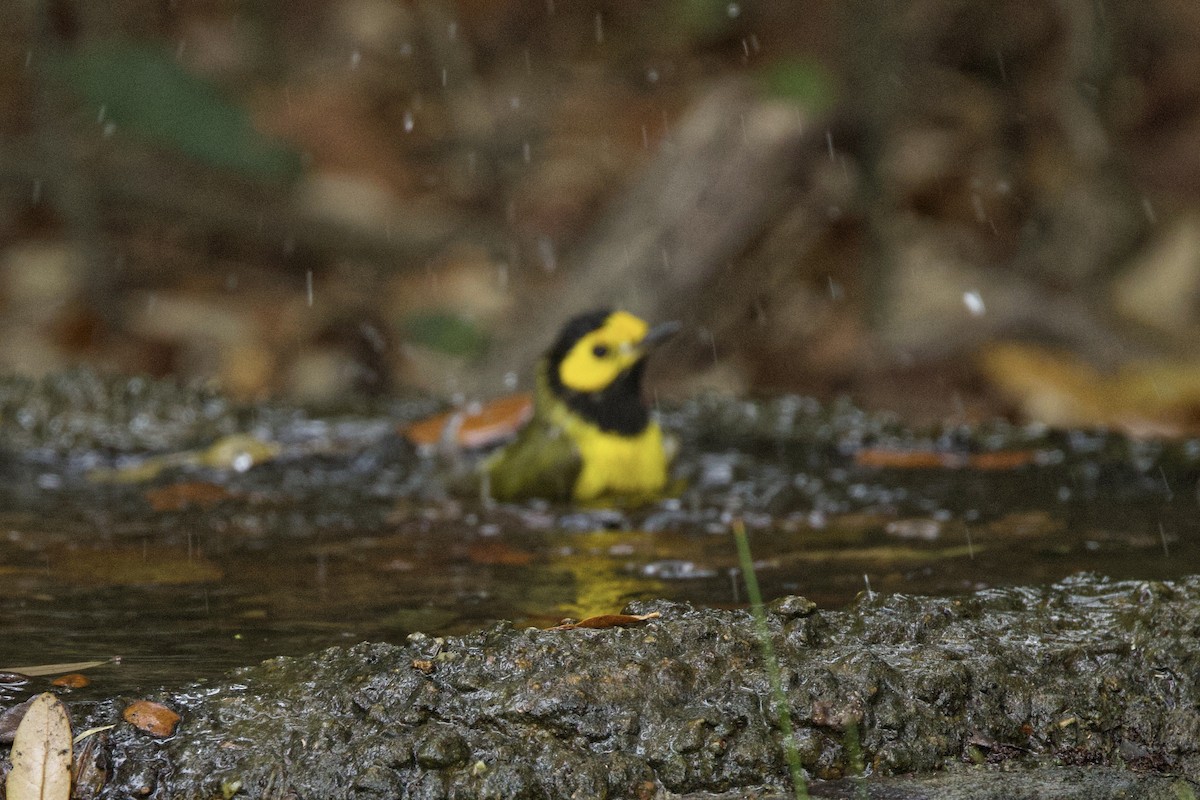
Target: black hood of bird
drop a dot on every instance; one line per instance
(618, 407)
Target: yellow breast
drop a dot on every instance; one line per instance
(614, 464)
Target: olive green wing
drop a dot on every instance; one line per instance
(541, 462)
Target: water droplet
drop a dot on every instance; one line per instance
(408, 121)
(974, 303)
(355, 59)
(734, 10)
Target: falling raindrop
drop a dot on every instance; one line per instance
(547, 253)
(355, 59)
(599, 28)
(408, 121)
(734, 10)
(308, 286)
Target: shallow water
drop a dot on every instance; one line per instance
(349, 535)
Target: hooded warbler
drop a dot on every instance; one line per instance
(591, 435)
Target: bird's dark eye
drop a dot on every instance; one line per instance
(600, 351)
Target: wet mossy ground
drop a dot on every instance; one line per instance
(1096, 676)
(1086, 688)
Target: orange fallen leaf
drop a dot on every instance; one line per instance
(882, 458)
(607, 621)
(1002, 459)
(150, 717)
(179, 496)
(904, 459)
(474, 426)
(72, 680)
(41, 753)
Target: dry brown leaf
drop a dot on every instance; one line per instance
(91, 768)
(179, 496)
(10, 720)
(608, 621)
(41, 753)
(150, 717)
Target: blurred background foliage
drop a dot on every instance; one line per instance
(948, 208)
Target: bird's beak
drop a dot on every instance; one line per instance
(659, 334)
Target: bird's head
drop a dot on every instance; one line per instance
(596, 365)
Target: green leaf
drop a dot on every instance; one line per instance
(446, 332)
(704, 19)
(145, 92)
(803, 81)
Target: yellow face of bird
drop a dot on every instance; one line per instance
(600, 356)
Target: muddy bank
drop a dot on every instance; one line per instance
(1085, 673)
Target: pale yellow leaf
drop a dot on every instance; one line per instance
(55, 669)
(93, 732)
(41, 753)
